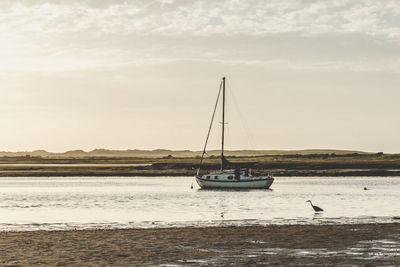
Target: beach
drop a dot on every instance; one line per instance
(358, 244)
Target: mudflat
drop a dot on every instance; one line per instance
(362, 244)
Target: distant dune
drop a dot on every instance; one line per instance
(158, 153)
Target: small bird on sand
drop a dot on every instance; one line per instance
(316, 208)
(365, 188)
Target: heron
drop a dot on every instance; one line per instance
(316, 208)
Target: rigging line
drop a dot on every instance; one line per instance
(209, 129)
(242, 119)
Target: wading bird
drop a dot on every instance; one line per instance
(316, 208)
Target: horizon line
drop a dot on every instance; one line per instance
(189, 150)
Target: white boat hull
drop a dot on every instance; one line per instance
(248, 182)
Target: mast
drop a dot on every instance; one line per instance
(223, 123)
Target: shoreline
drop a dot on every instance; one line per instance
(5, 174)
(288, 165)
(351, 244)
(147, 171)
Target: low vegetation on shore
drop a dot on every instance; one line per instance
(290, 164)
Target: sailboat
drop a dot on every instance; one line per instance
(239, 178)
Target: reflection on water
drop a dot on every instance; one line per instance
(122, 202)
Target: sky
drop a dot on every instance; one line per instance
(86, 74)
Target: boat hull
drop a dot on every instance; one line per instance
(255, 183)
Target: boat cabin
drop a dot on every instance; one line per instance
(236, 174)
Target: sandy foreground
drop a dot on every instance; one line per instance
(375, 244)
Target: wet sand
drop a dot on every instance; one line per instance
(376, 244)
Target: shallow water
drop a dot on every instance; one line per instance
(372, 250)
(143, 202)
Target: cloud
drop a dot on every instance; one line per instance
(255, 17)
(39, 35)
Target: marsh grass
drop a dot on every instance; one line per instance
(332, 164)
